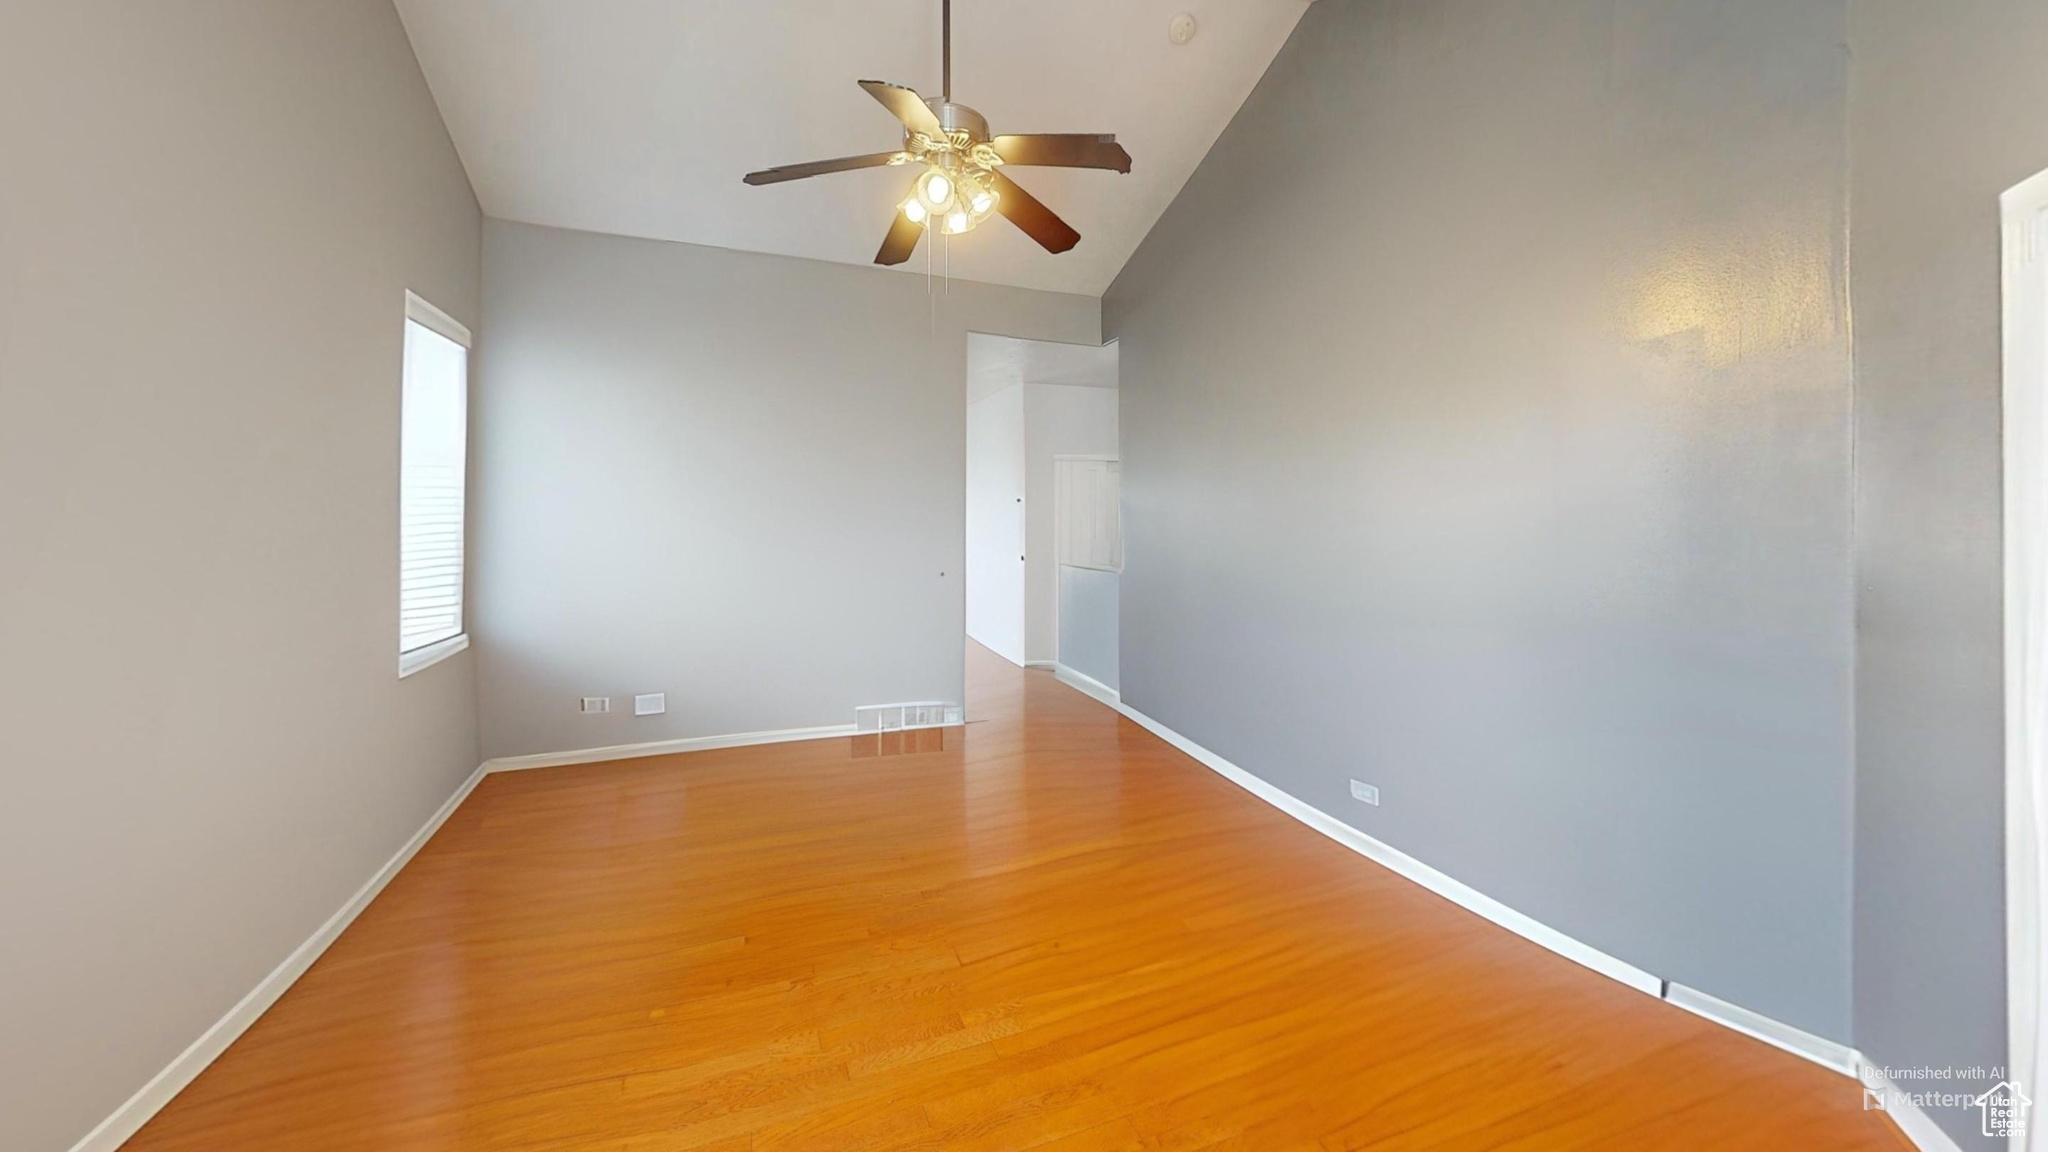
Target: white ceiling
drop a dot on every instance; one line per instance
(996, 362)
(639, 117)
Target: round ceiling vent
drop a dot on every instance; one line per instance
(1181, 28)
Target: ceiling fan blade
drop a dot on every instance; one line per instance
(900, 242)
(1037, 221)
(907, 106)
(1063, 150)
(819, 168)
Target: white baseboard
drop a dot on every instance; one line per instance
(1818, 1049)
(1041, 663)
(664, 748)
(1914, 1124)
(132, 1115)
(1088, 684)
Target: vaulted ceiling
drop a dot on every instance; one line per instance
(639, 117)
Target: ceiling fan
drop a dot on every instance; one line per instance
(962, 181)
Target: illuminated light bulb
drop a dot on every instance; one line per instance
(914, 212)
(936, 190)
(982, 201)
(956, 222)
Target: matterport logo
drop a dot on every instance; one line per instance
(2001, 1110)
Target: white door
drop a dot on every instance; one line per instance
(995, 522)
(2025, 213)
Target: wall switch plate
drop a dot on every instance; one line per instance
(1369, 793)
(595, 704)
(652, 704)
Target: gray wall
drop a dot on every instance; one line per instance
(1947, 112)
(730, 477)
(1485, 435)
(209, 215)
(1088, 625)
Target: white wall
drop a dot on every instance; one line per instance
(209, 214)
(737, 479)
(1059, 420)
(995, 522)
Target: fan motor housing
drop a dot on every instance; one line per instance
(959, 118)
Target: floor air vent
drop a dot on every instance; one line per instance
(892, 717)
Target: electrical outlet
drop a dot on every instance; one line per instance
(652, 704)
(1369, 793)
(595, 704)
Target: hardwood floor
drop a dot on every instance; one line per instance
(1050, 932)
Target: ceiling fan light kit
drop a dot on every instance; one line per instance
(961, 182)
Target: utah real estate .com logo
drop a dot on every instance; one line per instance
(2002, 1110)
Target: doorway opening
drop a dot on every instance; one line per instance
(1030, 405)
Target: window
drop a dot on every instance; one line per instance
(1086, 490)
(433, 443)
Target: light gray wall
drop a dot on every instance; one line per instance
(734, 478)
(1947, 112)
(1088, 622)
(209, 215)
(1059, 420)
(1485, 436)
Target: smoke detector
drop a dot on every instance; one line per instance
(1181, 28)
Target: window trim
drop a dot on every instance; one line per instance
(419, 311)
(441, 322)
(420, 659)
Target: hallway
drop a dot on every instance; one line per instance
(1052, 932)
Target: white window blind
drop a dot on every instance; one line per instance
(432, 458)
(1086, 494)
